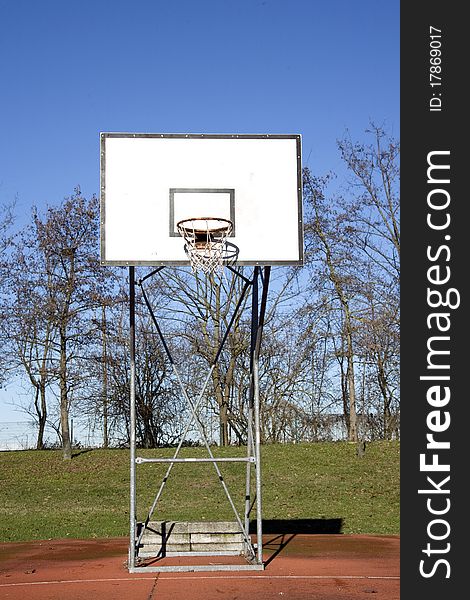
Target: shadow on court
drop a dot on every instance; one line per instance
(280, 532)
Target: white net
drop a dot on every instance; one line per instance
(206, 242)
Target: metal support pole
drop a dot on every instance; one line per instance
(259, 521)
(132, 507)
(256, 398)
(262, 312)
(254, 402)
(254, 323)
(254, 328)
(249, 450)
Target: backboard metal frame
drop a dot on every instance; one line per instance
(299, 258)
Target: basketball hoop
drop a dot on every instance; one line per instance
(206, 245)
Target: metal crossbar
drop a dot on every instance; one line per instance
(140, 460)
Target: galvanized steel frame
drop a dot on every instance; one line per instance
(254, 552)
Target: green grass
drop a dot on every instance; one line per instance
(44, 497)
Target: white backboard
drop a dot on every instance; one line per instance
(149, 182)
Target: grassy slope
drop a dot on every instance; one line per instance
(43, 497)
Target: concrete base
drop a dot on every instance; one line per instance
(183, 538)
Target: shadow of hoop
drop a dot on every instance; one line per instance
(230, 254)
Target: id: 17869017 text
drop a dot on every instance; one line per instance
(435, 68)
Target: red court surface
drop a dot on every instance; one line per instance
(298, 567)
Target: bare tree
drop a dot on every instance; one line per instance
(198, 309)
(353, 243)
(196, 313)
(67, 243)
(378, 343)
(27, 323)
(328, 237)
(373, 212)
(31, 335)
(373, 197)
(6, 238)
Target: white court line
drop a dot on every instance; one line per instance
(179, 578)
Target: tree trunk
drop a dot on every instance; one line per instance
(64, 405)
(41, 412)
(105, 381)
(344, 393)
(382, 380)
(224, 440)
(352, 429)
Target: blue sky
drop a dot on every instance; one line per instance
(70, 69)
